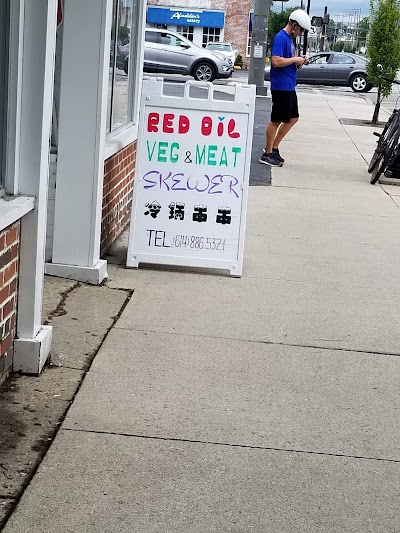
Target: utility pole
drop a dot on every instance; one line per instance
(305, 37)
(336, 31)
(357, 36)
(351, 25)
(259, 45)
(323, 31)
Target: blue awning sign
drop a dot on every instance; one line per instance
(193, 18)
(185, 17)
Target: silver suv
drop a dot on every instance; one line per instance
(171, 53)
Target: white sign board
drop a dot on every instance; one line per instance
(192, 175)
(258, 51)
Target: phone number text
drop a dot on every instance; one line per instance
(199, 243)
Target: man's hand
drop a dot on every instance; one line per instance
(280, 62)
(301, 60)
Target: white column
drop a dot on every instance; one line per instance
(198, 36)
(81, 139)
(37, 22)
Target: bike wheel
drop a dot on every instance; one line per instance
(386, 157)
(390, 126)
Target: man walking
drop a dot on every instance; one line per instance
(284, 65)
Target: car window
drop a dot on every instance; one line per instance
(342, 60)
(151, 37)
(219, 46)
(320, 59)
(170, 40)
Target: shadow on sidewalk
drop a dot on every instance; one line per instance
(260, 174)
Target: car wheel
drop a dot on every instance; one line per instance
(126, 68)
(359, 83)
(204, 72)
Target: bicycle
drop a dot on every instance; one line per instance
(388, 142)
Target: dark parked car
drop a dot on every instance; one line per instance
(122, 54)
(168, 52)
(334, 68)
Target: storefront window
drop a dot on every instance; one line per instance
(57, 83)
(186, 31)
(122, 56)
(211, 35)
(158, 26)
(249, 34)
(248, 47)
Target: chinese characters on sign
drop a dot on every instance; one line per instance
(192, 179)
(177, 212)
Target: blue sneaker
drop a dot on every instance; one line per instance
(270, 159)
(277, 155)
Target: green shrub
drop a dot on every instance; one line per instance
(338, 46)
(239, 61)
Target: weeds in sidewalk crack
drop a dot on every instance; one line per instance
(60, 309)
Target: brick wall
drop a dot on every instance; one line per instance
(237, 26)
(117, 194)
(9, 258)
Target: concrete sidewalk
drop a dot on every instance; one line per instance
(262, 404)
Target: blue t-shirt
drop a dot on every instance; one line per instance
(283, 78)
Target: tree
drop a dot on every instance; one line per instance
(278, 20)
(123, 34)
(350, 48)
(331, 31)
(363, 29)
(383, 47)
(338, 46)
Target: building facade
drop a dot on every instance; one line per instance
(68, 132)
(96, 109)
(203, 21)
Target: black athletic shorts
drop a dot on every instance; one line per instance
(284, 106)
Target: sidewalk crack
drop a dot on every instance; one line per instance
(390, 196)
(344, 129)
(231, 445)
(268, 343)
(60, 309)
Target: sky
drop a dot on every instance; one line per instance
(335, 7)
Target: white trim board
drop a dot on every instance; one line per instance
(13, 209)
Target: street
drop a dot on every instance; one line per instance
(388, 103)
(241, 76)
